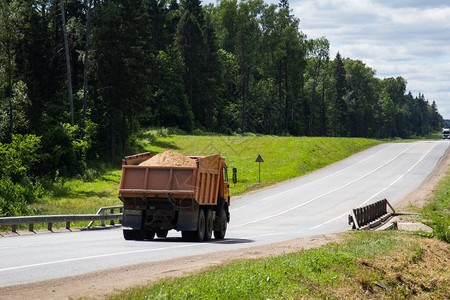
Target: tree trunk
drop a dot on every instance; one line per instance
(9, 91)
(69, 72)
(280, 97)
(86, 58)
(191, 88)
(286, 94)
(245, 84)
(311, 108)
(323, 108)
(112, 137)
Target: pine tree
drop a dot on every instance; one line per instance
(191, 44)
(340, 108)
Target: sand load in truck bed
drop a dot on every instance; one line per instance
(169, 158)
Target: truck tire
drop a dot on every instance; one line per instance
(162, 233)
(200, 232)
(209, 224)
(128, 234)
(142, 234)
(149, 235)
(220, 233)
(139, 235)
(188, 236)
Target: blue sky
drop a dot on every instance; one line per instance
(408, 38)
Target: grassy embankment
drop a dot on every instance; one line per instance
(438, 210)
(367, 265)
(284, 158)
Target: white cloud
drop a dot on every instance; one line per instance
(405, 38)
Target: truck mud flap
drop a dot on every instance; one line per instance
(132, 219)
(187, 220)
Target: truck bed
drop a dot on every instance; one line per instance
(200, 183)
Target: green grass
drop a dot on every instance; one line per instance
(437, 135)
(284, 158)
(438, 210)
(76, 196)
(310, 273)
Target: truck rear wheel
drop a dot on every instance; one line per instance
(208, 225)
(200, 232)
(219, 234)
(139, 235)
(129, 235)
(142, 234)
(188, 236)
(149, 235)
(162, 233)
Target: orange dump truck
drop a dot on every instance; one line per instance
(190, 197)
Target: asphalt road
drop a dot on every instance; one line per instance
(306, 206)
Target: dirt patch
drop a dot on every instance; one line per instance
(420, 270)
(169, 158)
(250, 187)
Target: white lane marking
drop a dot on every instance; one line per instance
(376, 194)
(310, 183)
(126, 252)
(94, 256)
(320, 196)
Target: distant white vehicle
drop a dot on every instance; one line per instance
(446, 133)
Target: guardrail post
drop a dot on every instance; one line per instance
(31, 227)
(355, 218)
(13, 228)
(111, 211)
(387, 202)
(49, 226)
(68, 225)
(102, 212)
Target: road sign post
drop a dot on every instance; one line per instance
(259, 160)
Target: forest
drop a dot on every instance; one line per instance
(80, 78)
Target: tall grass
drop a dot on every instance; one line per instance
(439, 210)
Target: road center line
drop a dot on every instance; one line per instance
(373, 196)
(309, 183)
(327, 193)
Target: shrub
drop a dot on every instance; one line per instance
(17, 189)
(64, 150)
(441, 228)
(15, 197)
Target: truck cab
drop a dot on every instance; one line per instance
(446, 133)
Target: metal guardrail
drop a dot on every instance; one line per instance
(50, 219)
(363, 216)
(103, 210)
